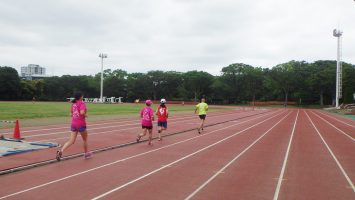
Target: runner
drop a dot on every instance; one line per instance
(162, 113)
(202, 111)
(78, 125)
(147, 116)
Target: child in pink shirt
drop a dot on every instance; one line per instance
(147, 116)
(78, 125)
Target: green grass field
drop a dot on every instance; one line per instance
(45, 113)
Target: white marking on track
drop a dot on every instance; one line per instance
(329, 115)
(138, 123)
(176, 161)
(351, 138)
(108, 122)
(131, 157)
(232, 161)
(332, 154)
(98, 133)
(281, 177)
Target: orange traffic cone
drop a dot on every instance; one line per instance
(17, 134)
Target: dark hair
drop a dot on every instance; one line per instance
(77, 97)
(162, 105)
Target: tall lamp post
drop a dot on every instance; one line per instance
(338, 93)
(102, 56)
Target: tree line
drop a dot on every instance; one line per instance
(297, 81)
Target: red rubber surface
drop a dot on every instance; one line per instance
(252, 148)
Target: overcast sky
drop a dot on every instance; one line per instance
(66, 36)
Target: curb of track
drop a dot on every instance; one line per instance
(51, 161)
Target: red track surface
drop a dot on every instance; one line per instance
(281, 154)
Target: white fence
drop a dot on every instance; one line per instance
(104, 100)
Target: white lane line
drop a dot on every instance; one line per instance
(91, 124)
(108, 122)
(103, 132)
(55, 133)
(331, 153)
(128, 158)
(329, 115)
(232, 161)
(281, 177)
(179, 160)
(351, 138)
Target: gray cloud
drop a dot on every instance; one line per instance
(67, 36)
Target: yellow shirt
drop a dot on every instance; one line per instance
(202, 108)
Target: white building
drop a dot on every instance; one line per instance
(33, 71)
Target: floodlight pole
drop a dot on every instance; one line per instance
(338, 92)
(102, 56)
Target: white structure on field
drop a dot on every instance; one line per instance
(102, 56)
(32, 71)
(338, 92)
(97, 100)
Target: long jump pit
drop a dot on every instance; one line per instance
(10, 146)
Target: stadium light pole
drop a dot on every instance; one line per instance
(102, 56)
(338, 92)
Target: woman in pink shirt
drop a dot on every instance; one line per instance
(147, 116)
(78, 125)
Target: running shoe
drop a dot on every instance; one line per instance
(59, 155)
(138, 138)
(198, 130)
(88, 155)
(160, 139)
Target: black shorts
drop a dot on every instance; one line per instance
(163, 124)
(147, 127)
(202, 116)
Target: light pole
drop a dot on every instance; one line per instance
(102, 56)
(338, 93)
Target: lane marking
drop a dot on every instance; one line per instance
(107, 122)
(233, 160)
(103, 132)
(138, 123)
(281, 177)
(135, 156)
(331, 153)
(176, 161)
(351, 138)
(329, 115)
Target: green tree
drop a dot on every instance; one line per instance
(197, 84)
(283, 79)
(9, 84)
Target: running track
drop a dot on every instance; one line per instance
(278, 154)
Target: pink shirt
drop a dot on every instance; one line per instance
(78, 120)
(147, 116)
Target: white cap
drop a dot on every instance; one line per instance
(162, 101)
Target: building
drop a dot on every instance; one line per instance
(32, 72)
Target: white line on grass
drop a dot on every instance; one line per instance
(131, 157)
(232, 161)
(351, 138)
(279, 182)
(331, 153)
(179, 160)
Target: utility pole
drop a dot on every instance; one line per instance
(338, 93)
(102, 56)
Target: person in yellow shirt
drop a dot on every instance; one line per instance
(202, 109)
